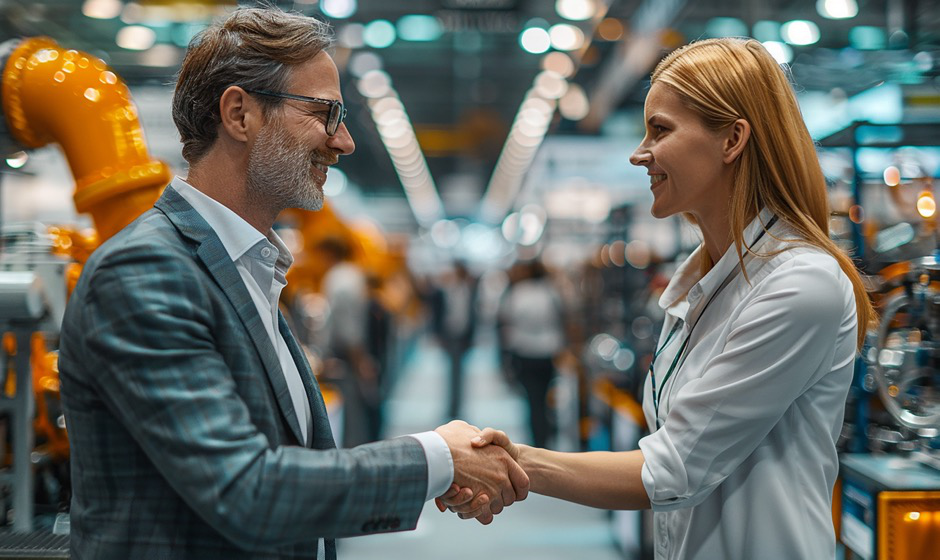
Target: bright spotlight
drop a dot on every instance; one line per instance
(800, 32)
(566, 37)
(338, 9)
(136, 38)
(17, 160)
(576, 10)
(535, 40)
(781, 52)
(837, 9)
(926, 205)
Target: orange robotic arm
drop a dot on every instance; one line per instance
(51, 94)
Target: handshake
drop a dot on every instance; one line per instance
(487, 478)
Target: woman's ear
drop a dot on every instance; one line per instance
(238, 113)
(737, 136)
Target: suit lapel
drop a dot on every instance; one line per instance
(226, 275)
(322, 434)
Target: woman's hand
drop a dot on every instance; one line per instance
(496, 437)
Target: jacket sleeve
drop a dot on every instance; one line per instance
(782, 342)
(147, 327)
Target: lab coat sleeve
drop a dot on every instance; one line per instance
(780, 344)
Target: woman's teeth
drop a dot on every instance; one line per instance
(656, 178)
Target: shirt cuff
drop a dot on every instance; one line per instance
(440, 463)
(663, 474)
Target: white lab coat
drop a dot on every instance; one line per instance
(744, 461)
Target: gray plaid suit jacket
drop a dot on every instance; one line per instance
(184, 440)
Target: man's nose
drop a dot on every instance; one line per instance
(342, 141)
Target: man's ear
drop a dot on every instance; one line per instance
(240, 114)
(737, 137)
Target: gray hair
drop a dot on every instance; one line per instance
(254, 48)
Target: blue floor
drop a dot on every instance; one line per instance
(539, 527)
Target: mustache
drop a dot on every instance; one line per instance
(324, 158)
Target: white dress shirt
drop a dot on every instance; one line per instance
(262, 263)
(743, 462)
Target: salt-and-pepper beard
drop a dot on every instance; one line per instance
(279, 170)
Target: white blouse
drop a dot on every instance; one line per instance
(743, 462)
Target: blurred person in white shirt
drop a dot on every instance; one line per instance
(532, 333)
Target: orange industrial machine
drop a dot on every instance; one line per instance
(51, 94)
(55, 95)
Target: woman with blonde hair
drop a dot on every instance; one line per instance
(746, 392)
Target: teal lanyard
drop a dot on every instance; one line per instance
(675, 328)
(672, 367)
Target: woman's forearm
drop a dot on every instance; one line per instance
(608, 480)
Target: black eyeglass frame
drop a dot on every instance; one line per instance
(337, 109)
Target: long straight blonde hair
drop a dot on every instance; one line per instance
(723, 80)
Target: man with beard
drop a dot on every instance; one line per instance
(197, 428)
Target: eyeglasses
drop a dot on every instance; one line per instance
(337, 109)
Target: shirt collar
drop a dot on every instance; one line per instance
(688, 287)
(236, 235)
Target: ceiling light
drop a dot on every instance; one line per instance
(576, 10)
(510, 227)
(800, 32)
(926, 205)
(102, 9)
(394, 129)
(923, 61)
(379, 34)
(375, 83)
(17, 160)
(531, 224)
(338, 9)
(837, 9)
(574, 104)
(638, 254)
(725, 27)
(136, 38)
(445, 234)
(535, 40)
(161, 56)
(558, 62)
(364, 62)
(766, 30)
(550, 85)
(385, 103)
(566, 37)
(892, 176)
(389, 116)
(867, 37)
(533, 117)
(781, 52)
(537, 103)
(610, 29)
(350, 36)
(419, 28)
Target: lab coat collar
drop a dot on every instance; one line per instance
(688, 288)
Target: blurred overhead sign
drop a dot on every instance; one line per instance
(636, 55)
(491, 16)
(481, 4)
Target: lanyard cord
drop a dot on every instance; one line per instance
(675, 362)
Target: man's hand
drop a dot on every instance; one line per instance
(489, 472)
